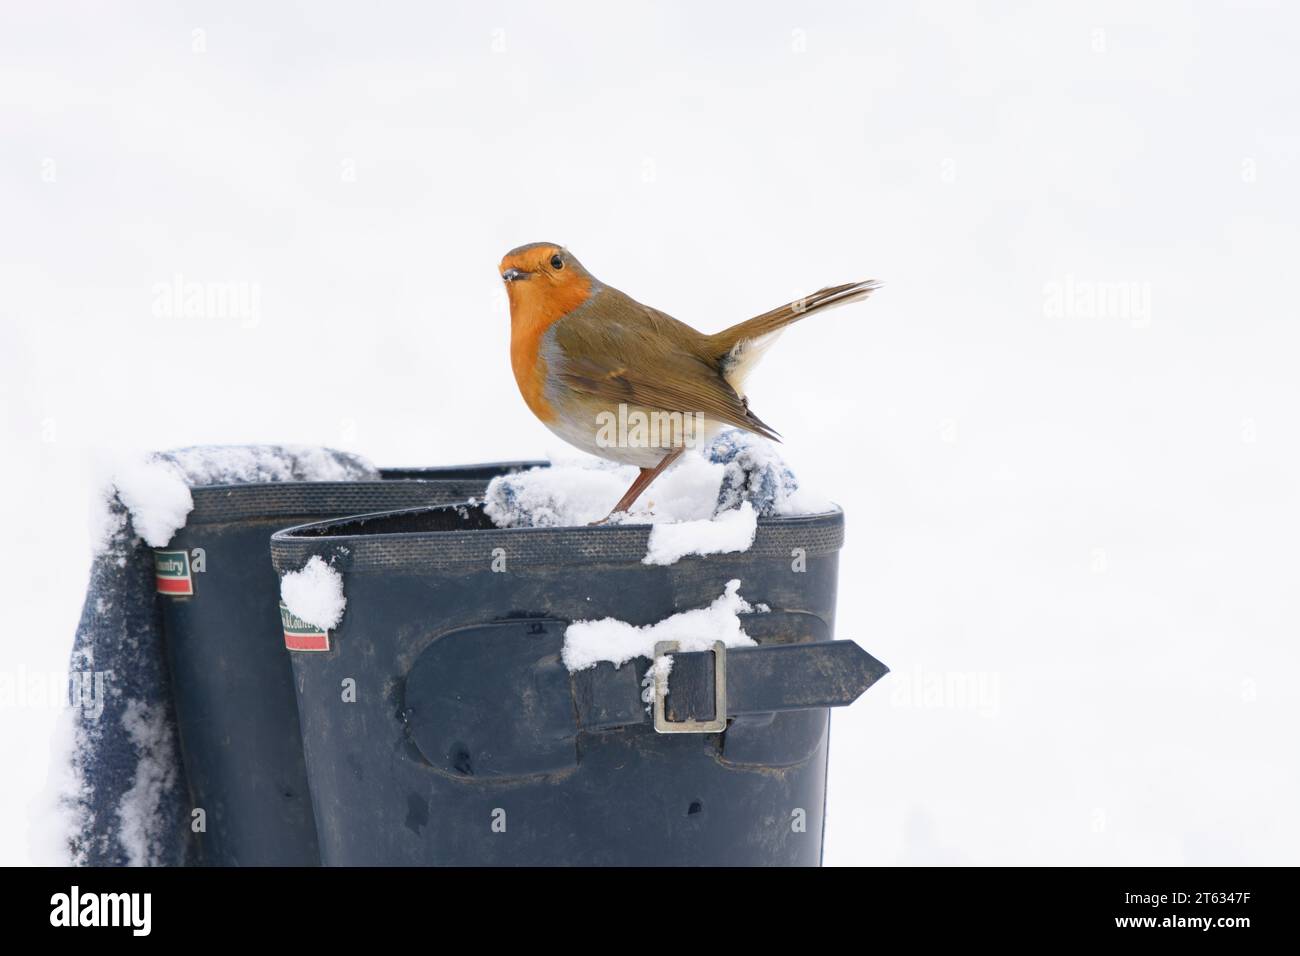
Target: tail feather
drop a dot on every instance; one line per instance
(722, 343)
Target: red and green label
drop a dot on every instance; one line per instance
(171, 572)
(301, 636)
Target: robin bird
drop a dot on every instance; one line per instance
(585, 356)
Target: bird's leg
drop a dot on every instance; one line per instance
(642, 482)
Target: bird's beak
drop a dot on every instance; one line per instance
(514, 275)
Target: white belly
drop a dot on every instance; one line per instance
(635, 436)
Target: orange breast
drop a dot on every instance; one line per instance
(532, 312)
(530, 370)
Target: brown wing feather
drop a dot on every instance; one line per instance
(622, 351)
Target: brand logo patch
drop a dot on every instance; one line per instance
(301, 636)
(171, 572)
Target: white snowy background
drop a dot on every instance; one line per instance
(1065, 433)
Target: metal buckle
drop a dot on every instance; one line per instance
(719, 722)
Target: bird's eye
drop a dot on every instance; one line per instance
(557, 262)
